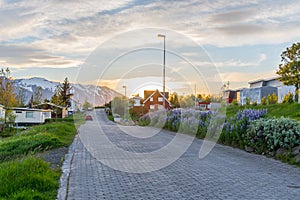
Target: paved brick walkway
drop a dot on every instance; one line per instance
(226, 173)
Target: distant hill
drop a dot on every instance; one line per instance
(96, 95)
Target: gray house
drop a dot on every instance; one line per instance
(264, 87)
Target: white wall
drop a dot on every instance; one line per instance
(21, 117)
(2, 112)
(284, 90)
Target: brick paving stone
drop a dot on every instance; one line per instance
(226, 173)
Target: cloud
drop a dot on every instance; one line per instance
(233, 63)
(232, 17)
(63, 33)
(26, 56)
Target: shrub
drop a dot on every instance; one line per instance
(254, 103)
(264, 101)
(235, 127)
(288, 98)
(184, 120)
(144, 120)
(235, 103)
(272, 99)
(268, 135)
(247, 101)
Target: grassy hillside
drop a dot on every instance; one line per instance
(275, 110)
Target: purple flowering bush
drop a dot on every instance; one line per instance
(179, 120)
(235, 128)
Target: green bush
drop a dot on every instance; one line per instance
(247, 101)
(254, 103)
(288, 98)
(235, 102)
(272, 99)
(235, 127)
(28, 178)
(264, 101)
(268, 135)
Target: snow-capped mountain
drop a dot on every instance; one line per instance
(97, 95)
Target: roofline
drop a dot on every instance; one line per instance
(160, 94)
(51, 104)
(267, 79)
(30, 109)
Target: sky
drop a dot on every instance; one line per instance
(115, 43)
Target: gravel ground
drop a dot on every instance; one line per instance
(55, 156)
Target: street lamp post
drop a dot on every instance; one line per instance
(164, 69)
(124, 86)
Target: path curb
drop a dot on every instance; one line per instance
(66, 169)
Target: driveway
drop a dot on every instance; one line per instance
(115, 162)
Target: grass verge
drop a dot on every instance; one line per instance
(25, 176)
(274, 110)
(28, 178)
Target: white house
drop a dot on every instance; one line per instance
(75, 106)
(2, 112)
(262, 88)
(28, 116)
(137, 101)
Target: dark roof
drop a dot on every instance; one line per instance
(263, 80)
(50, 104)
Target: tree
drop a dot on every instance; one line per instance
(56, 98)
(7, 95)
(65, 93)
(119, 106)
(187, 101)
(31, 102)
(21, 97)
(289, 69)
(174, 100)
(86, 105)
(38, 95)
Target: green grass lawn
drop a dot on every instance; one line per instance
(37, 139)
(275, 110)
(23, 175)
(28, 178)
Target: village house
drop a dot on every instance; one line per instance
(57, 111)
(75, 106)
(259, 89)
(229, 96)
(264, 87)
(30, 116)
(2, 112)
(154, 100)
(136, 103)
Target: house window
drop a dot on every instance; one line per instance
(202, 106)
(160, 99)
(151, 99)
(29, 114)
(152, 107)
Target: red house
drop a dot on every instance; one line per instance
(204, 105)
(229, 95)
(154, 100)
